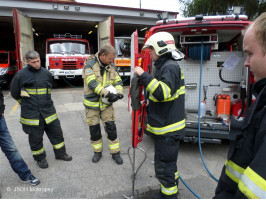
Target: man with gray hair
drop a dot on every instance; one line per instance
(31, 87)
(102, 87)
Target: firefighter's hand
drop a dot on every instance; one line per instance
(139, 71)
(147, 102)
(120, 96)
(111, 97)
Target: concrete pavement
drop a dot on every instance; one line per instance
(81, 178)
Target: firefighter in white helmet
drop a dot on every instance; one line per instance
(101, 82)
(166, 109)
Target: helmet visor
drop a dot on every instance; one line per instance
(146, 45)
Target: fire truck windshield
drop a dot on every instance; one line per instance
(68, 47)
(122, 47)
(3, 58)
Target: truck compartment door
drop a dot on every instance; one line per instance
(23, 36)
(138, 109)
(106, 32)
(135, 51)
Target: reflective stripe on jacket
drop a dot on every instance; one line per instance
(32, 89)
(95, 83)
(166, 90)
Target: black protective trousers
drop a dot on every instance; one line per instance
(54, 133)
(109, 127)
(165, 158)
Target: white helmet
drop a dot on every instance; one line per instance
(111, 89)
(162, 42)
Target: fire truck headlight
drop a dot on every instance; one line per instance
(52, 72)
(3, 71)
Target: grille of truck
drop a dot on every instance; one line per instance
(124, 69)
(69, 65)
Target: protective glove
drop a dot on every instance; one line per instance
(24, 93)
(111, 97)
(120, 96)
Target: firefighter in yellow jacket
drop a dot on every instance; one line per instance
(99, 74)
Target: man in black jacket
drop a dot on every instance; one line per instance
(11, 152)
(31, 87)
(166, 109)
(244, 172)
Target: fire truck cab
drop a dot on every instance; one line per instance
(123, 55)
(7, 66)
(66, 55)
(216, 81)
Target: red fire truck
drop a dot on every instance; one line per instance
(7, 66)
(213, 66)
(66, 55)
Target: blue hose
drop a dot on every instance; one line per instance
(199, 115)
(194, 193)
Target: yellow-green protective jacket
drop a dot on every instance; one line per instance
(95, 83)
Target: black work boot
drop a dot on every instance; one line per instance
(64, 157)
(42, 163)
(96, 157)
(117, 158)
